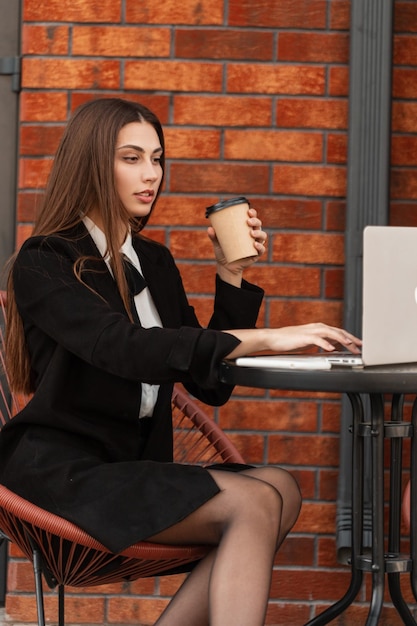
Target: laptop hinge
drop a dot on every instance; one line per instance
(10, 66)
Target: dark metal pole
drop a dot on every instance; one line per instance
(9, 86)
(367, 197)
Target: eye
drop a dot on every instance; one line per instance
(156, 160)
(130, 158)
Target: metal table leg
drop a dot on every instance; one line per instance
(396, 564)
(377, 564)
(413, 501)
(357, 518)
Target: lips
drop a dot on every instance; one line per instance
(145, 196)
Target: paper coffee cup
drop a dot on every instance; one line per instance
(229, 219)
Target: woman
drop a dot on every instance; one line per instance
(94, 445)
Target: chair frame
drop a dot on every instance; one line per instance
(61, 552)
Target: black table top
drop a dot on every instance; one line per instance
(378, 379)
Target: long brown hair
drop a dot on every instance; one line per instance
(81, 178)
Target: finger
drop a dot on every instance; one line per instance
(211, 233)
(355, 340)
(352, 347)
(259, 235)
(348, 337)
(255, 225)
(323, 343)
(260, 248)
(347, 340)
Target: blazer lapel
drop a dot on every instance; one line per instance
(162, 281)
(96, 273)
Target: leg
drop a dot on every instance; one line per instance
(288, 487)
(242, 522)
(190, 605)
(232, 583)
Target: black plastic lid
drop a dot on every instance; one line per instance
(225, 203)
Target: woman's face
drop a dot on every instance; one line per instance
(137, 167)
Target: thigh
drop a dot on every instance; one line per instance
(206, 524)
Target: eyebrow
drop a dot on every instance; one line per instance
(138, 148)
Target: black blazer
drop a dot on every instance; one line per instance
(88, 359)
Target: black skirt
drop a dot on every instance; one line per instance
(118, 503)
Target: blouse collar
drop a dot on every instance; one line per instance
(99, 239)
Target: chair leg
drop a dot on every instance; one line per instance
(37, 570)
(61, 605)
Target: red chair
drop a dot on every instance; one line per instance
(65, 554)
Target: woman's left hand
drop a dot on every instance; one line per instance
(259, 237)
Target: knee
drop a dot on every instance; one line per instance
(292, 502)
(265, 505)
(289, 490)
(254, 504)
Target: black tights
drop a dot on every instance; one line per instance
(246, 523)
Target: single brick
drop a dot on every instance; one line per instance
(224, 44)
(118, 41)
(214, 110)
(190, 12)
(282, 14)
(45, 40)
(312, 113)
(276, 79)
(268, 145)
(70, 74)
(309, 180)
(173, 76)
(43, 106)
(313, 47)
(74, 11)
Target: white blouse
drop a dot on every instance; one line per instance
(145, 306)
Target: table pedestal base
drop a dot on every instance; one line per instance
(381, 564)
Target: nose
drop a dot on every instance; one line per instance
(150, 172)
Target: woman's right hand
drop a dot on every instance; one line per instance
(291, 338)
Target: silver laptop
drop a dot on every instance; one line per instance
(389, 315)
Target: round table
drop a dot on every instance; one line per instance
(367, 388)
(382, 379)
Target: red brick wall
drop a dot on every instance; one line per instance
(254, 99)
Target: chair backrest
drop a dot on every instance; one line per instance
(197, 437)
